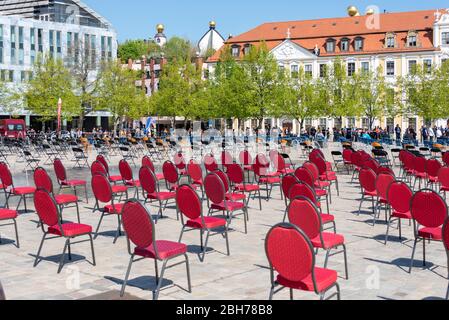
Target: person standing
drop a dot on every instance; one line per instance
(398, 132)
(431, 134)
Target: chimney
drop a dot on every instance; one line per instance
(199, 62)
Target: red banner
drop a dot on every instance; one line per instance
(59, 114)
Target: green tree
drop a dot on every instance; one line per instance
(178, 50)
(135, 49)
(12, 101)
(51, 81)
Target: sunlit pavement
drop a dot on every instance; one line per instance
(376, 271)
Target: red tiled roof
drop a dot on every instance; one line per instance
(309, 33)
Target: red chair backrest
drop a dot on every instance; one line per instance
(321, 164)
(5, 175)
(262, 161)
(226, 158)
(194, 171)
(125, 170)
(188, 202)
(215, 190)
(210, 163)
(59, 168)
(303, 190)
(304, 175)
(356, 159)
(446, 158)
(170, 172)
(288, 181)
(446, 235)
(433, 167)
(138, 224)
(372, 164)
(179, 161)
(236, 174)
(387, 170)
(245, 158)
(289, 252)
(98, 168)
(146, 162)
(420, 164)
(147, 180)
(224, 178)
(399, 196)
(367, 178)
(313, 170)
(46, 207)
(383, 182)
(101, 188)
(279, 163)
(443, 177)
(305, 215)
(429, 209)
(103, 161)
(347, 155)
(42, 180)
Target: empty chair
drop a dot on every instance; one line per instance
(146, 162)
(446, 246)
(433, 167)
(53, 228)
(246, 161)
(128, 177)
(286, 184)
(11, 190)
(399, 196)
(446, 158)
(292, 257)
(8, 218)
(347, 159)
(64, 182)
(98, 168)
(195, 174)
(420, 171)
(281, 166)
(210, 163)
(383, 182)
(103, 161)
(42, 180)
(151, 191)
(304, 175)
(80, 158)
(189, 205)
(171, 175)
(268, 179)
(236, 176)
(180, 163)
(443, 179)
(317, 183)
(386, 170)
(141, 232)
(230, 195)
(226, 159)
(367, 178)
(429, 213)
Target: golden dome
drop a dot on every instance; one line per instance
(212, 24)
(353, 11)
(370, 12)
(160, 28)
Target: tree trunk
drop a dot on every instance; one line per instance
(81, 121)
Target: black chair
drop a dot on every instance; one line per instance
(30, 161)
(80, 158)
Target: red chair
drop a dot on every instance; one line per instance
(146, 162)
(317, 183)
(226, 159)
(151, 192)
(269, 179)
(103, 194)
(236, 176)
(357, 162)
(420, 171)
(304, 175)
(64, 182)
(216, 193)
(288, 181)
(302, 189)
(210, 163)
(50, 216)
(399, 196)
(180, 163)
(189, 205)
(195, 174)
(246, 161)
(8, 218)
(11, 190)
(386, 170)
(126, 173)
(291, 255)
(281, 166)
(43, 181)
(113, 179)
(429, 213)
(433, 167)
(443, 179)
(140, 231)
(98, 168)
(304, 214)
(231, 196)
(446, 158)
(372, 164)
(171, 175)
(383, 182)
(446, 246)
(325, 175)
(347, 159)
(367, 178)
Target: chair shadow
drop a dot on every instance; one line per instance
(145, 283)
(56, 258)
(6, 242)
(404, 263)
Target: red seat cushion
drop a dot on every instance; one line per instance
(286, 171)
(162, 196)
(431, 233)
(116, 208)
(23, 190)
(330, 240)
(270, 180)
(66, 198)
(325, 278)
(247, 187)
(421, 175)
(160, 176)
(401, 215)
(134, 183)
(248, 168)
(119, 189)
(433, 179)
(371, 193)
(326, 218)
(165, 249)
(198, 182)
(322, 184)
(209, 223)
(74, 183)
(115, 178)
(230, 206)
(320, 192)
(328, 177)
(70, 229)
(235, 196)
(445, 189)
(6, 214)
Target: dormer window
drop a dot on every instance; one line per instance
(246, 49)
(344, 45)
(235, 51)
(330, 45)
(412, 39)
(358, 44)
(390, 40)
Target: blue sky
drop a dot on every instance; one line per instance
(135, 19)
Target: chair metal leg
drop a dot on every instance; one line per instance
(85, 191)
(204, 248)
(272, 292)
(161, 279)
(361, 203)
(78, 212)
(413, 255)
(36, 261)
(182, 233)
(128, 271)
(99, 224)
(61, 261)
(388, 231)
(189, 282)
(227, 241)
(345, 252)
(291, 295)
(17, 233)
(92, 248)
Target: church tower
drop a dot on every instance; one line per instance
(212, 40)
(160, 37)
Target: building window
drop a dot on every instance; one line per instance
(330, 45)
(22, 76)
(21, 47)
(365, 67)
(344, 45)
(390, 40)
(58, 44)
(13, 45)
(445, 39)
(1, 43)
(76, 43)
(235, 51)
(427, 63)
(247, 49)
(358, 44)
(323, 123)
(103, 47)
(51, 42)
(308, 70)
(390, 68)
(40, 46)
(93, 50)
(351, 69)
(323, 70)
(109, 47)
(412, 66)
(295, 71)
(33, 45)
(412, 39)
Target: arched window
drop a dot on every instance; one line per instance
(390, 40)
(412, 39)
